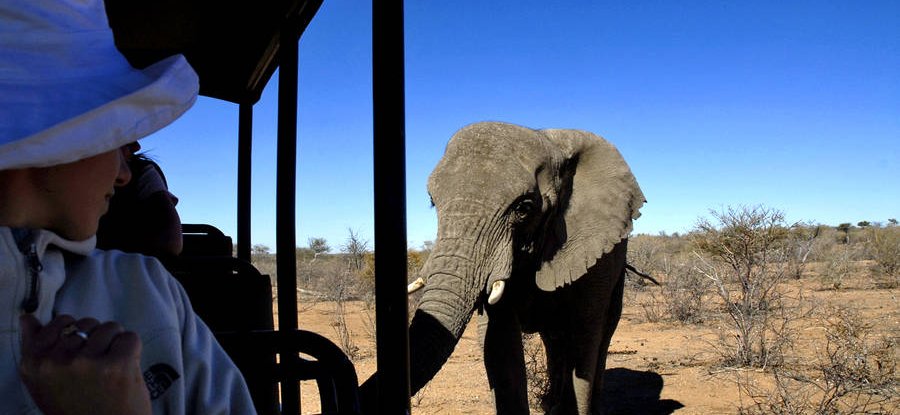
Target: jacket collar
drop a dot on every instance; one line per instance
(44, 238)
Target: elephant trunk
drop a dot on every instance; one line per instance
(443, 312)
(446, 306)
(430, 344)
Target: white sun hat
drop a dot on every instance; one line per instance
(67, 93)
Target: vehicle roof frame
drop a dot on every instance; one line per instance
(247, 37)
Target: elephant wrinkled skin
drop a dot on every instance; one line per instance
(532, 235)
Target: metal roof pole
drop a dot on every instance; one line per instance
(390, 206)
(285, 206)
(245, 149)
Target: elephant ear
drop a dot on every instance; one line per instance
(598, 200)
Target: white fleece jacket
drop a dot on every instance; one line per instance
(186, 370)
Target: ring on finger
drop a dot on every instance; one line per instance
(73, 330)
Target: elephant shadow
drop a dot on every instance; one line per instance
(634, 392)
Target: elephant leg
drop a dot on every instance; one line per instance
(504, 360)
(559, 392)
(612, 321)
(598, 301)
(572, 362)
(586, 355)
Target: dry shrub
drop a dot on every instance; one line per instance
(854, 371)
(839, 267)
(883, 247)
(745, 255)
(342, 331)
(264, 262)
(645, 253)
(680, 297)
(780, 397)
(802, 242)
(760, 337)
(653, 255)
(340, 286)
(684, 291)
(856, 361)
(681, 293)
(653, 305)
(825, 244)
(369, 325)
(535, 370)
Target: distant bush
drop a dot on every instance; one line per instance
(647, 254)
(883, 247)
(838, 266)
(802, 243)
(265, 263)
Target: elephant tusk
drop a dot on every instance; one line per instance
(415, 286)
(496, 292)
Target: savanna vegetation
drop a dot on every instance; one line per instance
(753, 278)
(742, 273)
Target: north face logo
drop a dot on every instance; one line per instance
(158, 379)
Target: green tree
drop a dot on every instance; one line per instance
(318, 246)
(845, 228)
(259, 249)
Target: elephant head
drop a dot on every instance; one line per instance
(516, 208)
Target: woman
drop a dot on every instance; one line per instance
(84, 330)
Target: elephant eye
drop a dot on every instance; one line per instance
(524, 208)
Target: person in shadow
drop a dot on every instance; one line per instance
(142, 217)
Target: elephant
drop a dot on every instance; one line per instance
(532, 235)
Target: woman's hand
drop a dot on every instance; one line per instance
(82, 367)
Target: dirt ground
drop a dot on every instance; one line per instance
(653, 368)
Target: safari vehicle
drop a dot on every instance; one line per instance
(235, 47)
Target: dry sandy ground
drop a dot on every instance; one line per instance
(653, 368)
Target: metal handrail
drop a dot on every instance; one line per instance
(333, 372)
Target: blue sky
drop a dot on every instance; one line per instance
(792, 105)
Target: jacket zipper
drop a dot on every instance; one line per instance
(35, 267)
